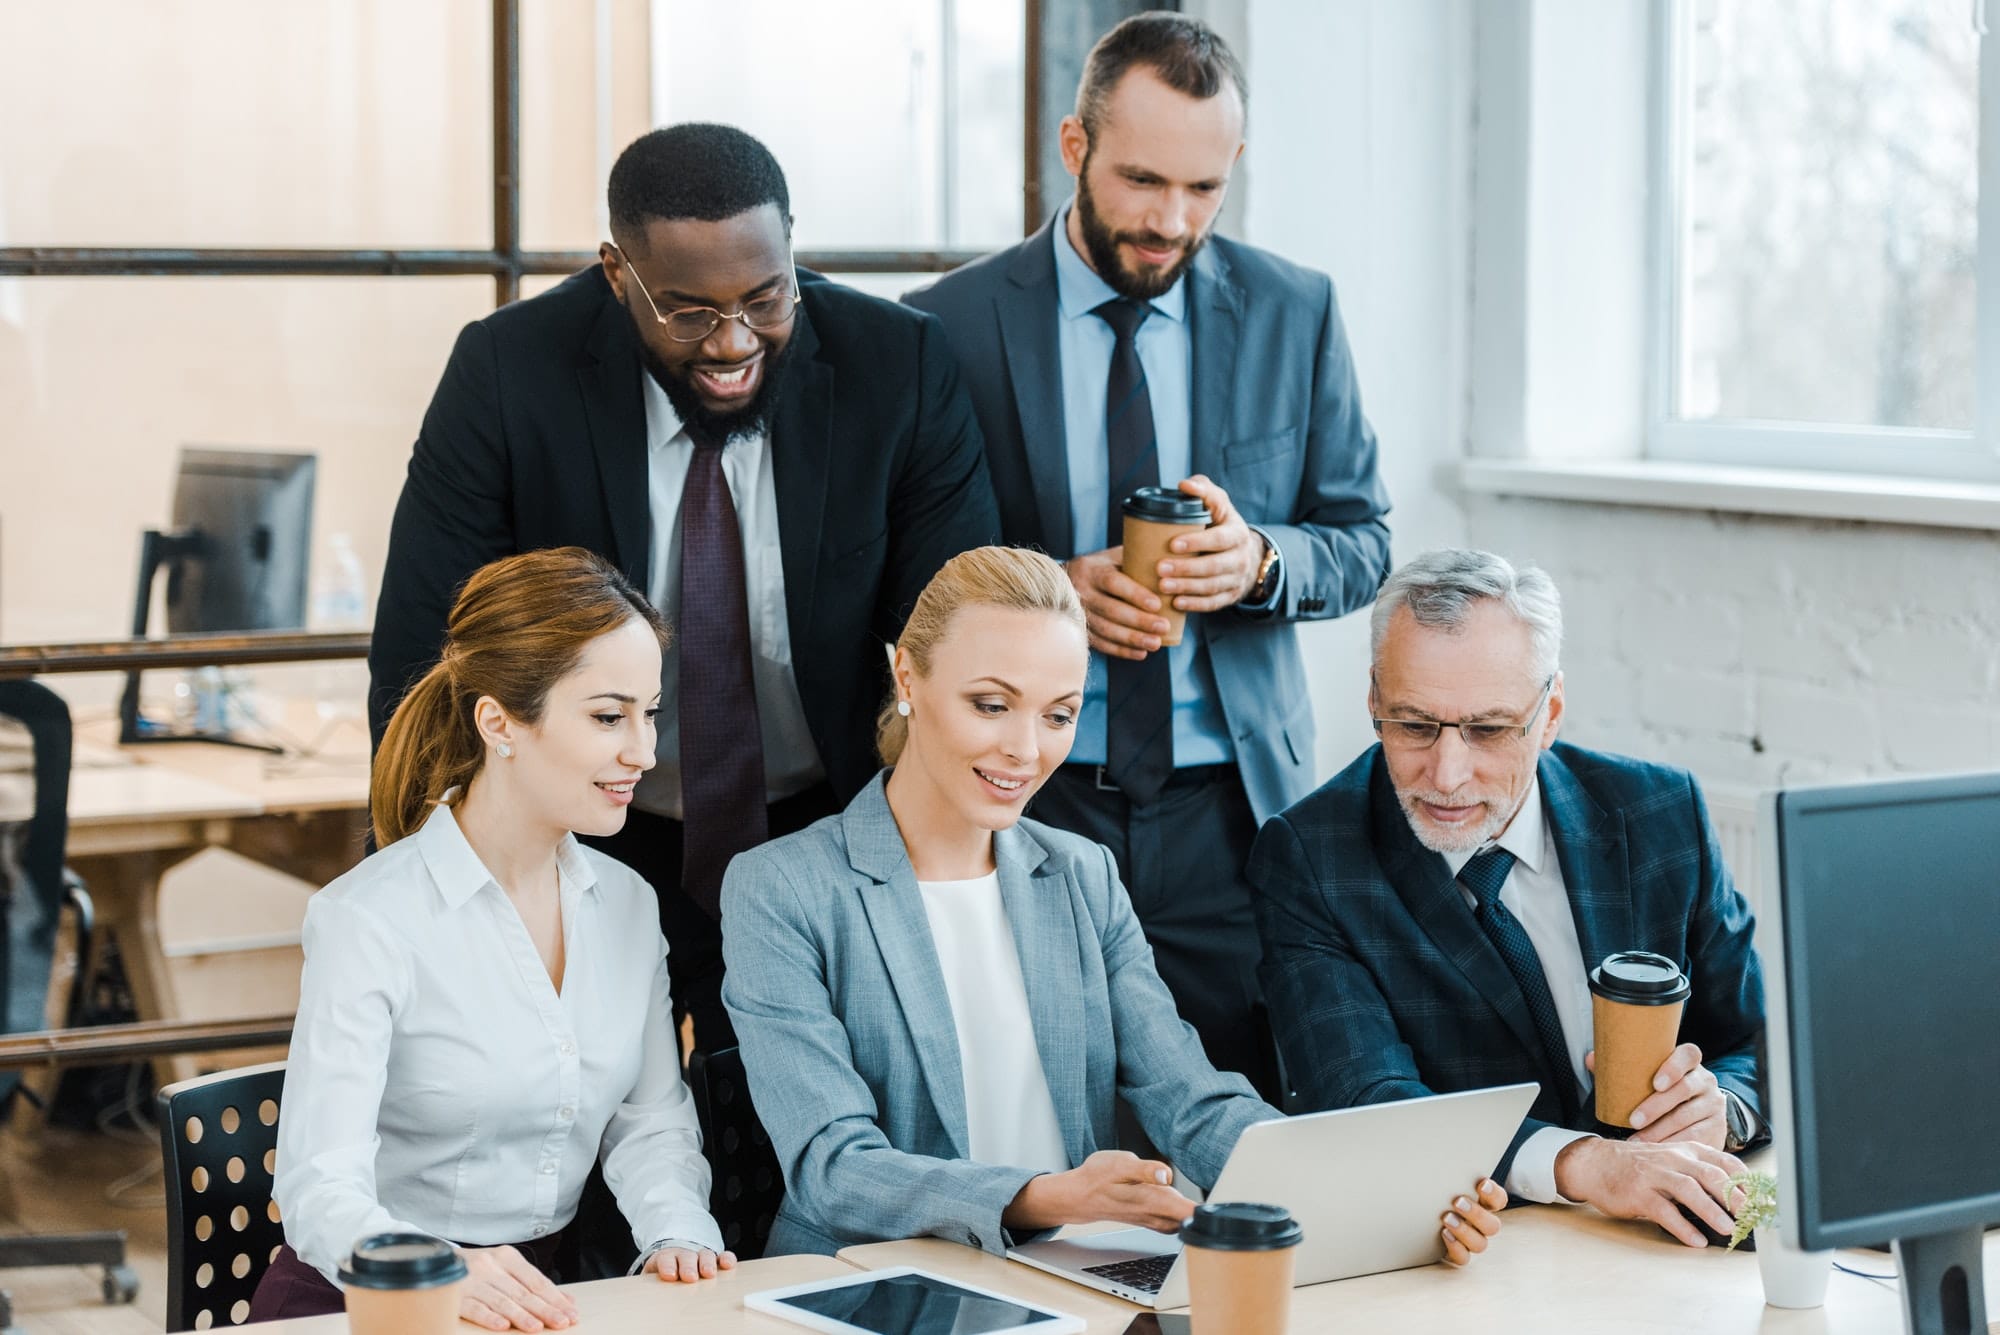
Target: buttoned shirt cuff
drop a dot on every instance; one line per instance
(1533, 1176)
(1750, 1117)
(1272, 599)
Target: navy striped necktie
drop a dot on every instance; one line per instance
(1483, 876)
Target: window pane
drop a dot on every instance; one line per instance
(899, 132)
(572, 124)
(1831, 193)
(105, 379)
(343, 123)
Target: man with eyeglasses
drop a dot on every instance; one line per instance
(1430, 914)
(779, 461)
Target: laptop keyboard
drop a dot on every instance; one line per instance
(1146, 1274)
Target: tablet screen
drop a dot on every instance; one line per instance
(917, 1305)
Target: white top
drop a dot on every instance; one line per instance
(1010, 1117)
(438, 1083)
(1536, 894)
(791, 760)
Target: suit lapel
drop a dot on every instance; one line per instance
(1028, 314)
(1424, 881)
(1215, 328)
(802, 461)
(1590, 846)
(1042, 917)
(895, 909)
(614, 410)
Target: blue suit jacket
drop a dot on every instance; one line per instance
(1382, 986)
(853, 1057)
(1276, 423)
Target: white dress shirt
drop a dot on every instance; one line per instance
(1536, 894)
(1010, 1116)
(791, 760)
(438, 1083)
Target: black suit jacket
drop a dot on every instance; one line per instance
(536, 438)
(1382, 985)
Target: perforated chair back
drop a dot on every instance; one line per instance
(747, 1187)
(219, 1139)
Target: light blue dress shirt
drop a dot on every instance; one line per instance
(1085, 342)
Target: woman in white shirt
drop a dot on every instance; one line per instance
(484, 1010)
(939, 1002)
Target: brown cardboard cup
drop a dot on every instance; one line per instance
(1240, 1257)
(1636, 999)
(1154, 517)
(403, 1284)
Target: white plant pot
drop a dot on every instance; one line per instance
(1792, 1278)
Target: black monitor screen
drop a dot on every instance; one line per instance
(248, 517)
(1891, 915)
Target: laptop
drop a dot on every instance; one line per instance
(1366, 1184)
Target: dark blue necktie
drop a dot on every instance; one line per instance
(1483, 876)
(1139, 697)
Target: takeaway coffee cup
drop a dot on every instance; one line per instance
(1239, 1258)
(1155, 516)
(1636, 999)
(403, 1284)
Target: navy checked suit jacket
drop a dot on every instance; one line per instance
(1381, 986)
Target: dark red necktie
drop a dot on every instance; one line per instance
(721, 744)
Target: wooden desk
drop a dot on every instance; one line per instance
(645, 1306)
(1553, 1269)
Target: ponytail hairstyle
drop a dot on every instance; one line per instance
(518, 627)
(1013, 578)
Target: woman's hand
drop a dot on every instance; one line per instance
(504, 1291)
(1469, 1223)
(1110, 1184)
(687, 1264)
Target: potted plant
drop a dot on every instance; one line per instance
(1792, 1277)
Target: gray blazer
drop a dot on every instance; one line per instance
(852, 1054)
(1276, 422)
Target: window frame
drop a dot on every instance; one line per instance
(1971, 456)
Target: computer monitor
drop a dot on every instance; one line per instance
(236, 558)
(1882, 1028)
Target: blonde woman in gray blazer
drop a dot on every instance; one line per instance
(939, 1000)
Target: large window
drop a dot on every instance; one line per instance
(1821, 267)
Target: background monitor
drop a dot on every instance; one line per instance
(244, 519)
(1885, 1028)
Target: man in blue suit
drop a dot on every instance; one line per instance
(1429, 915)
(1122, 346)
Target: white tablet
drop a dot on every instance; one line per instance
(907, 1301)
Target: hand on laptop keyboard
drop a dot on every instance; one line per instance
(1110, 1185)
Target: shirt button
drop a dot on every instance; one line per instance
(567, 1049)
(565, 1112)
(539, 1230)
(548, 1165)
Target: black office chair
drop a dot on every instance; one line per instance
(40, 867)
(747, 1188)
(219, 1141)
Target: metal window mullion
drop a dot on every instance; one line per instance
(1667, 236)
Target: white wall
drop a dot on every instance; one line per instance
(1358, 164)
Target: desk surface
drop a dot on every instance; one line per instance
(1553, 1269)
(645, 1306)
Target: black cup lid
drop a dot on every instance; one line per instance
(1241, 1226)
(1639, 978)
(401, 1261)
(1164, 505)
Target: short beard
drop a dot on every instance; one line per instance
(1453, 841)
(1102, 243)
(750, 421)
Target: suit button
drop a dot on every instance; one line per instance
(973, 1239)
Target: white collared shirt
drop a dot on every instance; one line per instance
(791, 760)
(1538, 897)
(1010, 1116)
(439, 1084)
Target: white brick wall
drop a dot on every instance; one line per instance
(1761, 651)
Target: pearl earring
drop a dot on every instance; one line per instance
(903, 708)
(506, 751)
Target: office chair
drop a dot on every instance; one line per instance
(219, 1144)
(747, 1187)
(46, 717)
